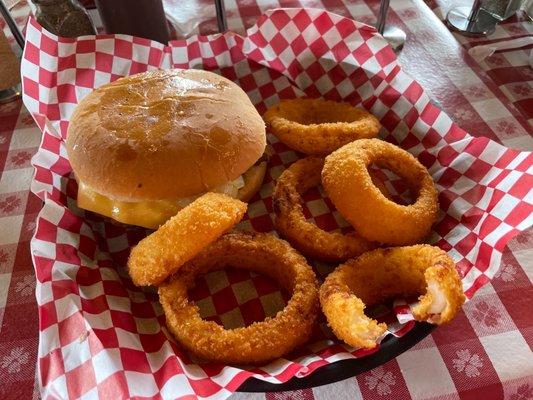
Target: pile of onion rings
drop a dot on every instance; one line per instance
(347, 181)
(183, 236)
(260, 341)
(316, 126)
(305, 236)
(384, 273)
(193, 243)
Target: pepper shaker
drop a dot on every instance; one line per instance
(65, 18)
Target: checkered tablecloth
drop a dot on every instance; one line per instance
(485, 351)
(509, 69)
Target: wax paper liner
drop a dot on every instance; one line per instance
(100, 336)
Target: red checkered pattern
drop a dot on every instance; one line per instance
(99, 334)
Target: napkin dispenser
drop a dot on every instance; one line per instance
(481, 19)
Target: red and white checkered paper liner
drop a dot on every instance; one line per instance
(100, 336)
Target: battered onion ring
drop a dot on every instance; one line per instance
(384, 273)
(182, 237)
(346, 180)
(316, 126)
(305, 236)
(260, 341)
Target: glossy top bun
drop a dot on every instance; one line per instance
(164, 134)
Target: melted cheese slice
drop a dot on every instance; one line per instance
(150, 213)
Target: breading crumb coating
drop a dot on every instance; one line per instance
(261, 341)
(305, 236)
(183, 236)
(346, 179)
(381, 274)
(317, 126)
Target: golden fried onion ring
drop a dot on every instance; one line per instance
(346, 179)
(316, 126)
(385, 273)
(183, 236)
(305, 236)
(261, 341)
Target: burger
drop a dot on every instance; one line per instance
(145, 146)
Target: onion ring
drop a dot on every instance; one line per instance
(346, 179)
(261, 341)
(305, 236)
(384, 273)
(182, 237)
(316, 126)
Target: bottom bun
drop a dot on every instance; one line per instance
(253, 179)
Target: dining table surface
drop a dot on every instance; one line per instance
(485, 353)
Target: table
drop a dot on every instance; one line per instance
(486, 351)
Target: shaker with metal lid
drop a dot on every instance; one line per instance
(65, 18)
